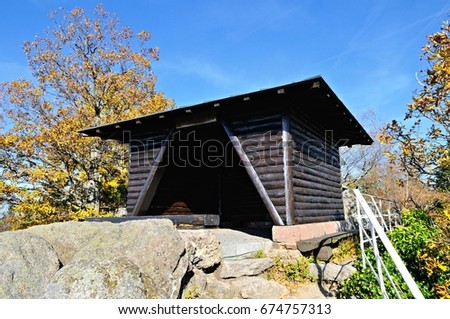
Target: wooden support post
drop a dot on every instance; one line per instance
(253, 175)
(286, 139)
(151, 183)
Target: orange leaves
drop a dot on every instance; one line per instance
(88, 71)
(423, 138)
(76, 12)
(143, 35)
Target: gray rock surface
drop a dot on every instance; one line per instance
(239, 245)
(27, 264)
(153, 245)
(245, 267)
(259, 288)
(330, 271)
(69, 237)
(98, 279)
(196, 285)
(203, 248)
(218, 289)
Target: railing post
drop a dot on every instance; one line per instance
(378, 261)
(361, 234)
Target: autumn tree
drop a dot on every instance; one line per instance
(422, 139)
(360, 160)
(368, 168)
(87, 70)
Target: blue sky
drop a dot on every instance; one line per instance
(367, 51)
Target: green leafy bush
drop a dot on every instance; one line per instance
(424, 249)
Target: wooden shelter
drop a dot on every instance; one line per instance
(268, 157)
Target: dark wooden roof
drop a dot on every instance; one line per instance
(313, 97)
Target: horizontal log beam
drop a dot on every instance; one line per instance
(301, 169)
(257, 119)
(317, 219)
(325, 206)
(319, 199)
(207, 220)
(269, 170)
(318, 212)
(301, 159)
(315, 185)
(318, 180)
(257, 128)
(316, 192)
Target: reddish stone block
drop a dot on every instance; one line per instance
(294, 233)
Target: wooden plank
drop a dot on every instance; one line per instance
(275, 193)
(274, 185)
(139, 170)
(319, 212)
(319, 180)
(267, 161)
(207, 220)
(286, 138)
(316, 192)
(256, 119)
(317, 205)
(271, 177)
(196, 119)
(326, 240)
(269, 170)
(253, 175)
(320, 199)
(301, 169)
(318, 219)
(154, 176)
(314, 185)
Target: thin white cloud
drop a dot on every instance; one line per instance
(11, 70)
(199, 68)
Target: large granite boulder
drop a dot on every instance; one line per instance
(154, 251)
(117, 278)
(27, 265)
(153, 245)
(70, 237)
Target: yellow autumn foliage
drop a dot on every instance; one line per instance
(422, 139)
(88, 70)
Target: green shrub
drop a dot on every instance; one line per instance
(425, 251)
(290, 273)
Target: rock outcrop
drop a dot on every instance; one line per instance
(117, 278)
(27, 264)
(203, 249)
(132, 259)
(245, 267)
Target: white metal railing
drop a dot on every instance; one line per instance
(386, 211)
(372, 226)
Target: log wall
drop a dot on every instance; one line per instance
(261, 138)
(143, 150)
(226, 189)
(316, 173)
